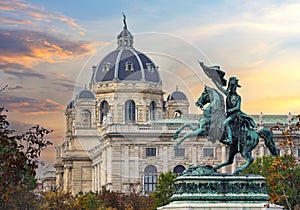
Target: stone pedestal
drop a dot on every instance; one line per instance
(219, 206)
(202, 188)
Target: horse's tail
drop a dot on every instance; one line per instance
(267, 135)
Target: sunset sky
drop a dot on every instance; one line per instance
(47, 49)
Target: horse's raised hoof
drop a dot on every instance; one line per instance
(175, 136)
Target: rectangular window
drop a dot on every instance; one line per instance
(106, 66)
(150, 152)
(180, 152)
(208, 152)
(298, 152)
(150, 67)
(149, 183)
(129, 66)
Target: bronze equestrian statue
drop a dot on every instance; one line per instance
(228, 124)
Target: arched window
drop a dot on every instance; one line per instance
(103, 110)
(177, 113)
(150, 178)
(130, 111)
(178, 169)
(152, 110)
(86, 118)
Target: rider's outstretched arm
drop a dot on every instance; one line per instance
(220, 87)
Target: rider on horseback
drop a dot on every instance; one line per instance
(233, 108)
(233, 101)
(241, 136)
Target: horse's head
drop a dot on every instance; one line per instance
(203, 99)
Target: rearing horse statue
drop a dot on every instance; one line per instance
(213, 116)
(213, 122)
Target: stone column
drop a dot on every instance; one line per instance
(135, 172)
(104, 168)
(67, 178)
(93, 178)
(59, 177)
(223, 157)
(125, 155)
(99, 176)
(261, 151)
(108, 165)
(194, 155)
(96, 177)
(145, 117)
(165, 158)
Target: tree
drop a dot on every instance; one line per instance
(282, 178)
(88, 201)
(284, 181)
(18, 161)
(132, 200)
(284, 170)
(282, 173)
(164, 188)
(58, 200)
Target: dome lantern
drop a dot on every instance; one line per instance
(125, 38)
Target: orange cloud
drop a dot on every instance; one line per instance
(15, 21)
(34, 13)
(30, 106)
(27, 48)
(11, 5)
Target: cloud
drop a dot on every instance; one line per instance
(22, 73)
(16, 88)
(257, 26)
(63, 81)
(23, 14)
(67, 85)
(21, 49)
(10, 20)
(19, 127)
(29, 105)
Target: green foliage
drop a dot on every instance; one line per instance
(284, 181)
(58, 200)
(18, 161)
(282, 178)
(88, 200)
(260, 166)
(103, 200)
(125, 201)
(164, 188)
(282, 173)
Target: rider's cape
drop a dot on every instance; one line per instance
(246, 118)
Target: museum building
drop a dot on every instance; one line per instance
(119, 130)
